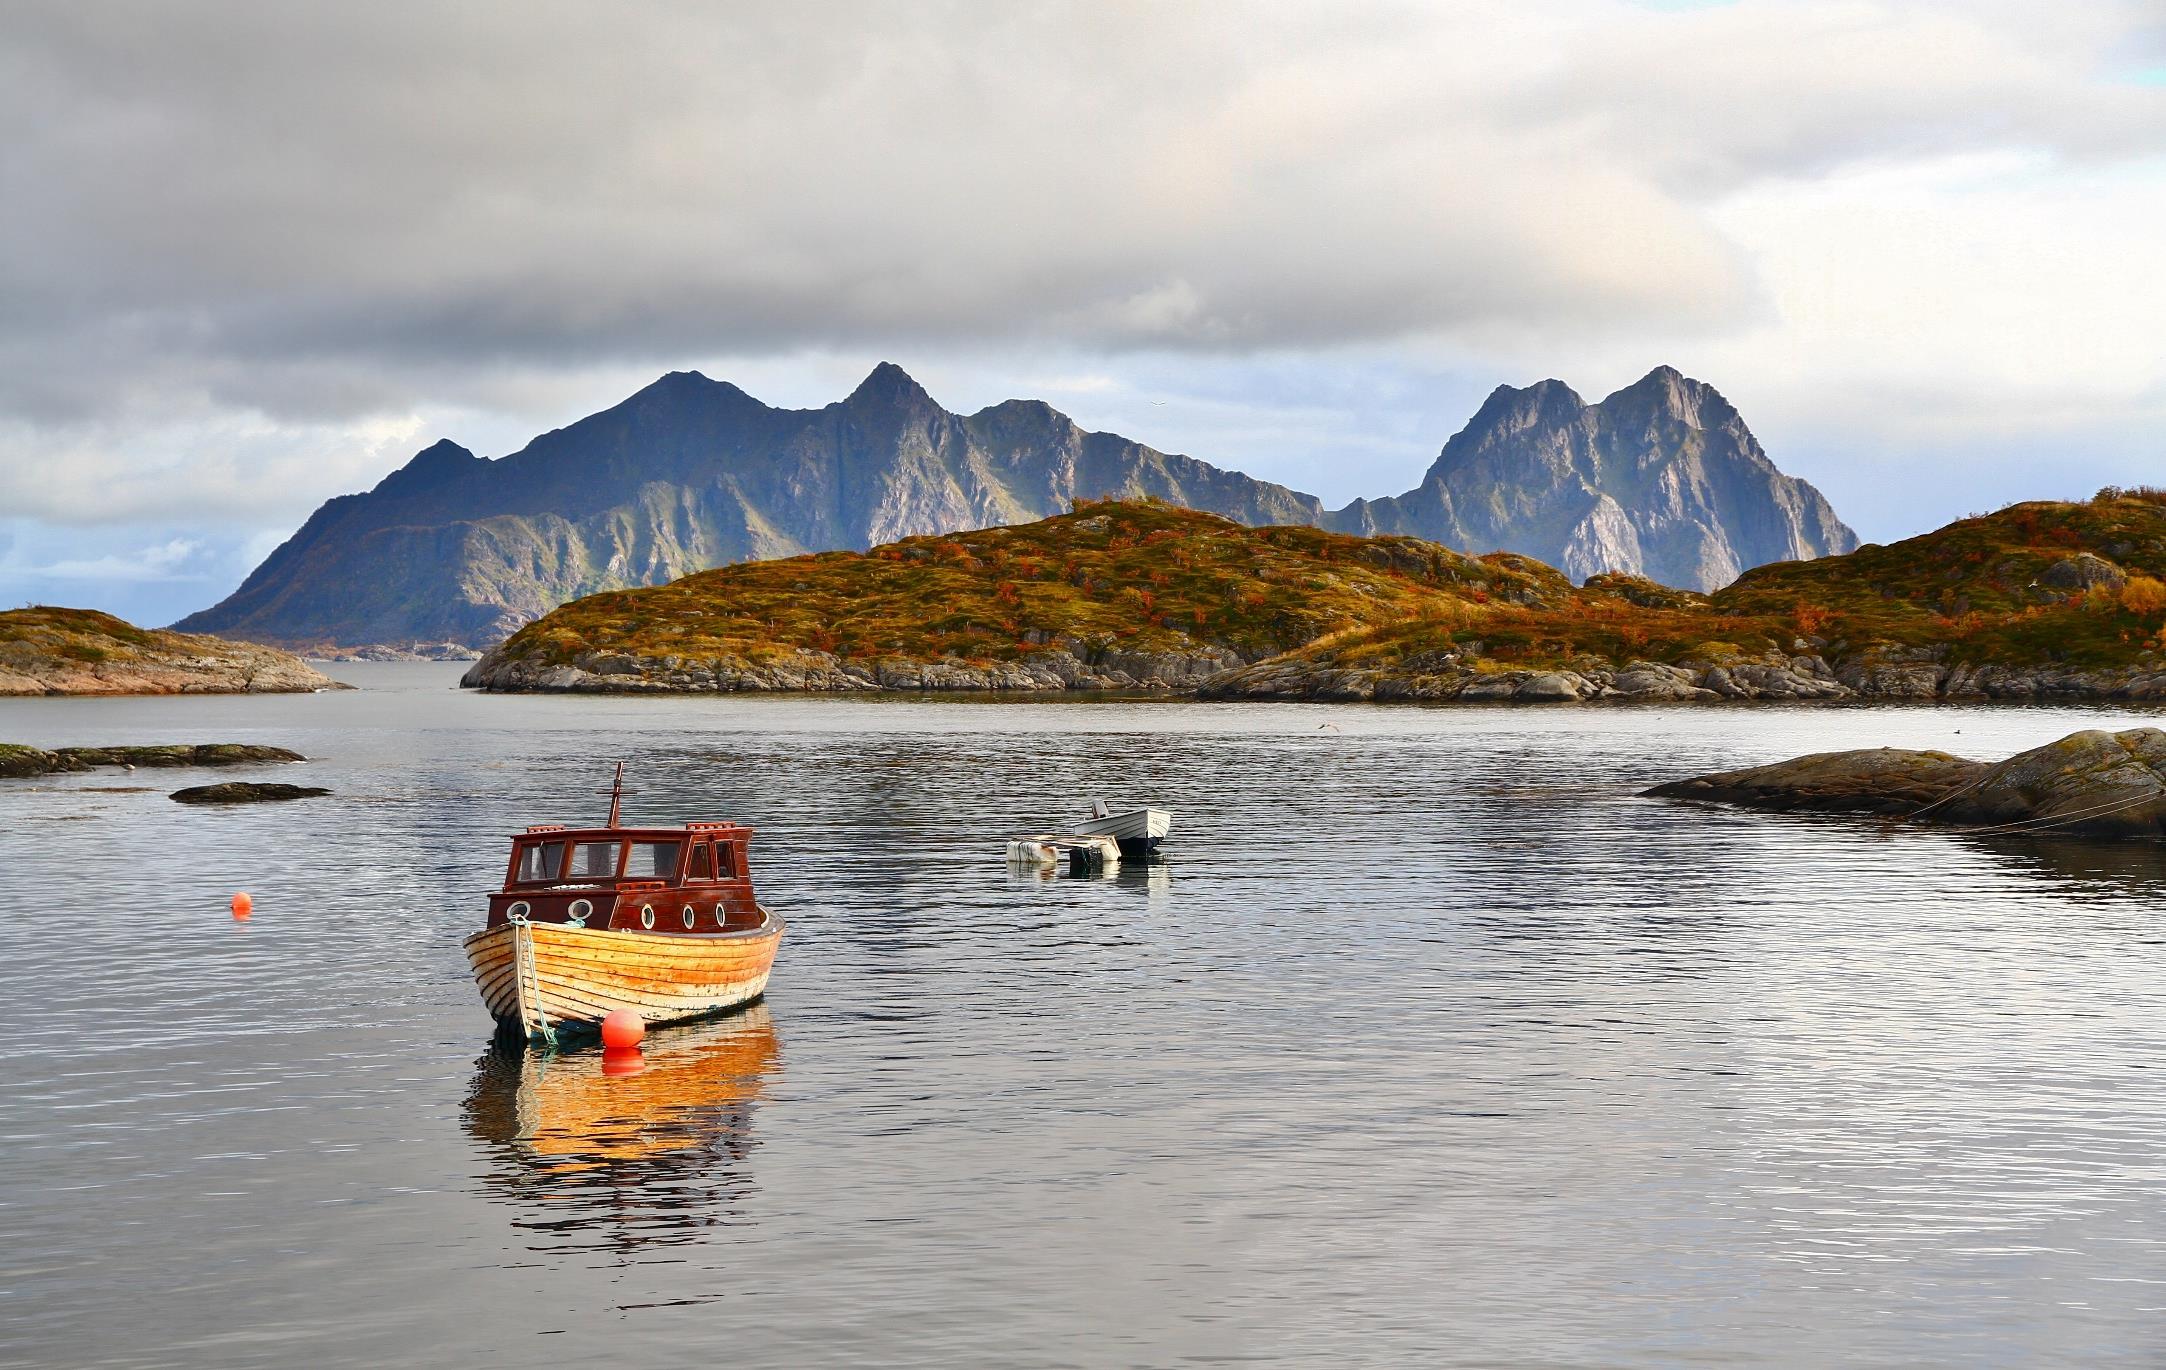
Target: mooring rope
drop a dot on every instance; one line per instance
(2048, 822)
(528, 971)
(1962, 790)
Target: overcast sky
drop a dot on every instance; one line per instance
(255, 255)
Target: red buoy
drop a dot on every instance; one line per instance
(243, 905)
(623, 1028)
(622, 1061)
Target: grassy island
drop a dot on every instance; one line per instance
(2041, 598)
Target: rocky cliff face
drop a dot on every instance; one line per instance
(689, 473)
(1661, 479)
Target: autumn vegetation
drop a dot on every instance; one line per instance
(2074, 584)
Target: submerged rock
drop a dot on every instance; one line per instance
(244, 792)
(2092, 783)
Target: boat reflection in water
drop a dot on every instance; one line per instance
(599, 1161)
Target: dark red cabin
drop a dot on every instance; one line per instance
(690, 880)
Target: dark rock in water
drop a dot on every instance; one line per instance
(16, 761)
(244, 792)
(2092, 784)
(1883, 780)
(203, 754)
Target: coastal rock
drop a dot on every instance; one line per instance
(18, 760)
(1654, 680)
(1885, 780)
(2091, 783)
(411, 651)
(1056, 668)
(2077, 574)
(200, 754)
(244, 792)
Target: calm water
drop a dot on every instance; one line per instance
(1429, 1045)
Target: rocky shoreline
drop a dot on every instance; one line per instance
(1920, 674)
(2087, 784)
(1058, 669)
(54, 651)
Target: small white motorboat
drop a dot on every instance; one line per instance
(1138, 831)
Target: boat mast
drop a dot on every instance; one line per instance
(616, 793)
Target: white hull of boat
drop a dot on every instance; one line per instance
(1137, 830)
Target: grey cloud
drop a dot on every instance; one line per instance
(236, 200)
(322, 213)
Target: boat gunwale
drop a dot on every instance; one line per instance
(770, 924)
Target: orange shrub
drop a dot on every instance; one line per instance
(2144, 595)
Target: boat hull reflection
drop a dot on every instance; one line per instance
(622, 1162)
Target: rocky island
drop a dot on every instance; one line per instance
(2088, 784)
(52, 651)
(2039, 600)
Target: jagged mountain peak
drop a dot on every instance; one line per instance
(433, 466)
(1660, 479)
(888, 385)
(1514, 406)
(1666, 390)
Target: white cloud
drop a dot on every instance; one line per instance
(166, 561)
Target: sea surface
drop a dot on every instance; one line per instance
(1429, 1044)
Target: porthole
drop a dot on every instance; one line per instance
(646, 915)
(721, 917)
(578, 912)
(519, 910)
(688, 915)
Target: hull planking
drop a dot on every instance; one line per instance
(576, 976)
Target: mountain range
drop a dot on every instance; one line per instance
(1660, 479)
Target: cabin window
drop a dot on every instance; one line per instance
(652, 861)
(539, 861)
(725, 860)
(593, 861)
(701, 864)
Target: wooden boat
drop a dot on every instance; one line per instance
(658, 920)
(1138, 831)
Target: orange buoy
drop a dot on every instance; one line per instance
(622, 1061)
(243, 905)
(623, 1028)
